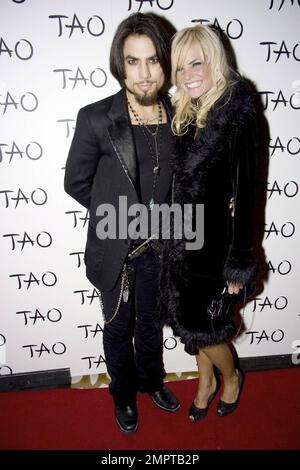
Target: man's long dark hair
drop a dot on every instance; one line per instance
(148, 25)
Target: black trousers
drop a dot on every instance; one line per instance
(133, 340)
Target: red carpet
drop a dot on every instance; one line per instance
(268, 417)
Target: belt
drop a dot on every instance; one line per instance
(139, 248)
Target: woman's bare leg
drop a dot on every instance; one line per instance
(207, 380)
(221, 356)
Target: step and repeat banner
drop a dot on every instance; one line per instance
(54, 60)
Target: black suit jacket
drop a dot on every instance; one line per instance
(102, 166)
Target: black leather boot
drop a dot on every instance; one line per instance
(165, 400)
(126, 417)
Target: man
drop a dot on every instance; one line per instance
(121, 147)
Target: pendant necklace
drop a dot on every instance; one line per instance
(156, 135)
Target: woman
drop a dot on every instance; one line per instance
(214, 166)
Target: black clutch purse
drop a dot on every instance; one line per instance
(221, 308)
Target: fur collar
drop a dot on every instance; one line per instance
(195, 158)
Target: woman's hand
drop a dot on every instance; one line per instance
(234, 288)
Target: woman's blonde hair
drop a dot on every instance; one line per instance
(189, 111)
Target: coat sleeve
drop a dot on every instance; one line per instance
(240, 266)
(82, 161)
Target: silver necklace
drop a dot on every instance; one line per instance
(155, 154)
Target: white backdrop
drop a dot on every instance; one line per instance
(54, 60)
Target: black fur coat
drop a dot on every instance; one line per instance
(217, 165)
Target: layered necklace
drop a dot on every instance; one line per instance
(156, 135)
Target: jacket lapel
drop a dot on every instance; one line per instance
(120, 135)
